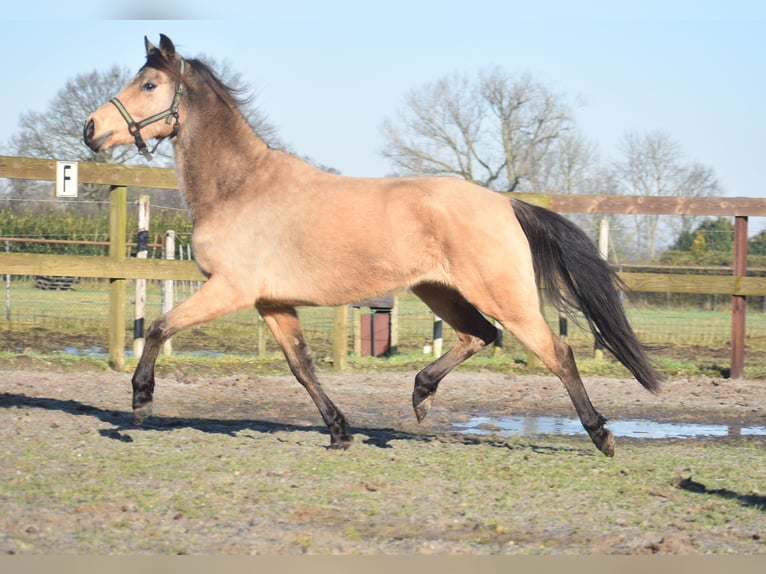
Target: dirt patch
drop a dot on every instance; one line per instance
(239, 465)
(369, 399)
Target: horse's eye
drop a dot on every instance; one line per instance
(148, 87)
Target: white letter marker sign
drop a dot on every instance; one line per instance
(66, 179)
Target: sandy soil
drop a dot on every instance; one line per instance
(35, 402)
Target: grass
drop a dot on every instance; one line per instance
(273, 363)
(281, 492)
(49, 324)
(83, 482)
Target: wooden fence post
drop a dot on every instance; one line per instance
(261, 337)
(8, 289)
(167, 286)
(603, 249)
(356, 325)
(394, 332)
(438, 336)
(497, 345)
(738, 302)
(533, 361)
(340, 338)
(117, 245)
(142, 242)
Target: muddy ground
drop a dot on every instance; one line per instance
(77, 426)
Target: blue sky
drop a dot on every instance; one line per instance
(328, 73)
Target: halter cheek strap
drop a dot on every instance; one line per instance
(168, 115)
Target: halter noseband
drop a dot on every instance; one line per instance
(168, 115)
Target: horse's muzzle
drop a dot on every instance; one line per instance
(88, 132)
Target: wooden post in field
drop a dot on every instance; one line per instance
(533, 361)
(356, 325)
(7, 290)
(340, 338)
(167, 286)
(142, 246)
(603, 249)
(261, 337)
(738, 302)
(117, 244)
(497, 345)
(394, 331)
(438, 336)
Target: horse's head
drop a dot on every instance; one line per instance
(148, 107)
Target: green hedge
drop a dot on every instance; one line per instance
(81, 227)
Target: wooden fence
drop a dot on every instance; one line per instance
(118, 268)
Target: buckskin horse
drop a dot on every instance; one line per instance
(273, 232)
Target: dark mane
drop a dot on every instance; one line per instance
(233, 96)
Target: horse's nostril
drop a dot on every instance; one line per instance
(87, 130)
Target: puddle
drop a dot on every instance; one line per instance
(634, 428)
(92, 351)
(96, 351)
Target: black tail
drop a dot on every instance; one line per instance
(575, 275)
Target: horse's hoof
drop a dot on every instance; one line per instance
(607, 443)
(421, 409)
(341, 443)
(140, 414)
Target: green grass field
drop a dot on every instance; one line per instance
(75, 322)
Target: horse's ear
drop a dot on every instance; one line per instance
(166, 46)
(149, 46)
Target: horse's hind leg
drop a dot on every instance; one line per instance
(474, 333)
(214, 299)
(535, 334)
(513, 299)
(284, 323)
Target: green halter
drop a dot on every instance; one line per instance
(168, 115)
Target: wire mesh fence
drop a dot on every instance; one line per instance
(69, 315)
(73, 319)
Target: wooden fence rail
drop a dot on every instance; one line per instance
(118, 268)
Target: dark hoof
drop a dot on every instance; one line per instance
(422, 408)
(601, 436)
(604, 441)
(341, 443)
(140, 414)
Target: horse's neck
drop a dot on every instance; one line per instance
(214, 155)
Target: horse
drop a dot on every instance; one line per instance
(273, 232)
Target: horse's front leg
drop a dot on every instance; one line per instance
(214, 299)
(143, 377)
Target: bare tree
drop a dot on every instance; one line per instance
(57, 132)
(496, 130)
(573, 166)
(653, 164)
(570, 165)
(529, 120)
(437, 132)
